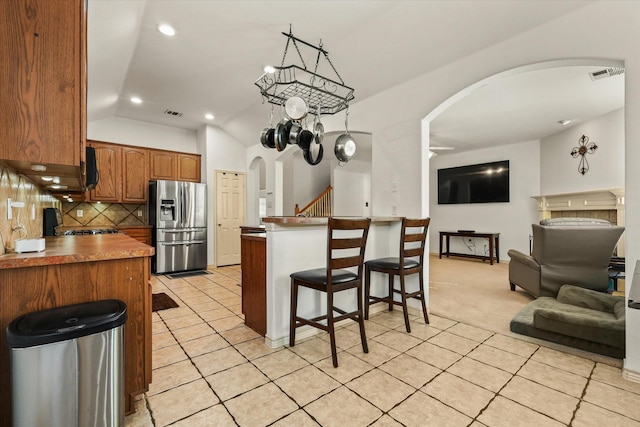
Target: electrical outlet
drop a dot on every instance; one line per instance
(79, 213)
(139, 213)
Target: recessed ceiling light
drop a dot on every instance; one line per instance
(167, 30)
(38, 168)
(208, 116)
(564, 122)
(136, 100)
(46, 178)
(269, 69)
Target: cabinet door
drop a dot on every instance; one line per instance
(188, 167)
(135, 181)
(108, 161)
(162, 165)
(43, 82)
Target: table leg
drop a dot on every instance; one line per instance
(440, 255)
(498, 249)
(491, 250)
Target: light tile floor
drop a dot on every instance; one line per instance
(211, 370)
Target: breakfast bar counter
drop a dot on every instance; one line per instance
(299, 243)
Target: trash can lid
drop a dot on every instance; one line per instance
(65, 323)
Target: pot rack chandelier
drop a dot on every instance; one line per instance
(322, 95)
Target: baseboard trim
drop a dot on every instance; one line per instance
(630, 375)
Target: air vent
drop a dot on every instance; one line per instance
(607, 72)
(172, 113)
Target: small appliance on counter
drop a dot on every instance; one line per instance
(51, 219)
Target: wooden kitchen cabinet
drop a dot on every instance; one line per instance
(135, 180)
(43, 86)
(172, 165)
(123, 173)
(109, 164)
(162, 165)
(141, 234)
(253, 253)
(188, 167)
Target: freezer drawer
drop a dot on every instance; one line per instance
(179, 255)
(180, 234)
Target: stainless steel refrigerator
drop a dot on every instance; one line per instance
(178, 213)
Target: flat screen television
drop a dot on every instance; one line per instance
(481, 183)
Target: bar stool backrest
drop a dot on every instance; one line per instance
(412, 238)
(346, 242)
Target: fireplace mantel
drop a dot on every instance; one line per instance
(610, 198)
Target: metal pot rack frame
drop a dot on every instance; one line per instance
(321, 94)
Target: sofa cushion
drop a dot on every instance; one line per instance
(523, 323)
(593, 300)
(584, 323)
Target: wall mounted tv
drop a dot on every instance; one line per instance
(481, 183)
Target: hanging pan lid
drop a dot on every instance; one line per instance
(295, 107)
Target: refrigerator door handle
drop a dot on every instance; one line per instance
(190, 242)
(182, 230)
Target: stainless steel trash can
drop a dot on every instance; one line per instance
(67, 366)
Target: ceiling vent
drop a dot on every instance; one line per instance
(172, 113)
(607, 72)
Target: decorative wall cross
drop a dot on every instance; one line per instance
(584, 148)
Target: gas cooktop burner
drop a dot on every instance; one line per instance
(98, 231)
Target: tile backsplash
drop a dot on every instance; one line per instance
(21, 225)
(85, 214)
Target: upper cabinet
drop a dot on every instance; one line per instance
(122, 173)
(43, 86)
(109, 165)
(125, 171)
(188, 167)
(162, 165)
(170, 165)
(135, 182)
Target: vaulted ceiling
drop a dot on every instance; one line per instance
(220, 48)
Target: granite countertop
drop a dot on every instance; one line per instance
(63, 228)
(75, 249)
(320, 220)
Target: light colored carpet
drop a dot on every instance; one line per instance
(474, 292)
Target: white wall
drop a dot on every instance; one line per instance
(221, 152)
(512, 220)
(606, 164)
(351, 193)
(142, 134)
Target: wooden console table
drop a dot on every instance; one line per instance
(494, 245)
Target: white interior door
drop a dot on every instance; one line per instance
(230, 203)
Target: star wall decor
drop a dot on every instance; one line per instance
(584, 148)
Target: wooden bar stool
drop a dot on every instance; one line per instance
(410, 261)
(346, 241)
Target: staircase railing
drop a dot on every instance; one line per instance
(320, 206)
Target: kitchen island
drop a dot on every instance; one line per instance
(77, 269)
(299, 243)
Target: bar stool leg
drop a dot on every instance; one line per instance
(363, 335)
(424, 305)
(367, 291)
(294, 308)
(331, 328)
(391, 277)
(403, 293)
